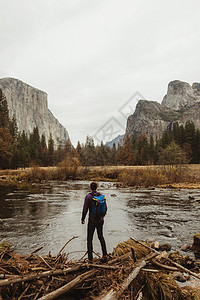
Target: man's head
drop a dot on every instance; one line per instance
(93, 186)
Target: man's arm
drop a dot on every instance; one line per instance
(85, 209)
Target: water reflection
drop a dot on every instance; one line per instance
(50, 215)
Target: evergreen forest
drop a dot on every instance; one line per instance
(179, 145)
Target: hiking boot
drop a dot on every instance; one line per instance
(89, 261)
(104, 259)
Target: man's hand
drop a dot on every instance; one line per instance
(82, 222)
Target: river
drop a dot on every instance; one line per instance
(50, 214)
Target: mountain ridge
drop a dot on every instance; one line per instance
(180, 104)
(30, 107)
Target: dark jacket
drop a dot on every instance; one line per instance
(88, 206)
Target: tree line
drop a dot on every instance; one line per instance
(180, 144)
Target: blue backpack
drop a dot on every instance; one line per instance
(99, 207)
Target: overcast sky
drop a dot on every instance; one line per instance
(92, 56)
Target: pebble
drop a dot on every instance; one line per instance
(185, 247)
(179, 277)
(165, 247)
(155, 245)
(150, 241)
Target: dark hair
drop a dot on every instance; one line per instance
(93, 186)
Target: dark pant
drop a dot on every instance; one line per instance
(90, 232)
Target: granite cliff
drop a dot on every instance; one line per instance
(180, 104)
(30, 107)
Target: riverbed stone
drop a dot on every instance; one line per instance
(150, 241)
(179, 277)
(165, 247)
(196, 240)
(185, 247)
(155, 245)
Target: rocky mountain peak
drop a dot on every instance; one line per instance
(30, 107)
(181, 104)
(150, 117)
(181, 95)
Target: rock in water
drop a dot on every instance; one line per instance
(30, 107)
(185, 247)
(165, 247)
(196, 240)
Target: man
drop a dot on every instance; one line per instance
(94, 222)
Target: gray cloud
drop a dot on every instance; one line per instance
(91, 56)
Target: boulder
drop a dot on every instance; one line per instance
(196, 242)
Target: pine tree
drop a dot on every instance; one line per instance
(4, 113)
(152, 151)
(50, 159)
(172, 155)
(5, 136)
(13, 129)
(113, 155)
(35, 146)
(43, 151)
(79, 152)
(89, 152)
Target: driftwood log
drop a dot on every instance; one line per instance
(69, 286)
(113, 294)
(19, 279)
(139, 265)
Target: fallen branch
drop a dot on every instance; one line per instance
(24, 292)
(36, 250)
(67, 287)
(155, 262)
(184, 269)
(140, 264)
(150, 270)
(103, 266)
(7, 282)
(74, 237)
(46, 263)
(112, 294)
(171, 261)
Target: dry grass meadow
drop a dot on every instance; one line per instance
(181, 176)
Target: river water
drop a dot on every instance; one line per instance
(50, 214)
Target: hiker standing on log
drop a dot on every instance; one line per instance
(96, 204)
